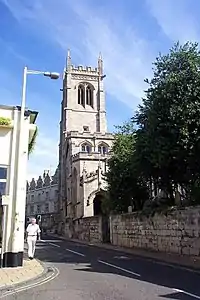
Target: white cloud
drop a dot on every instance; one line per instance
(127, 57)
(175, 19)
(88, 30)
(10, 49)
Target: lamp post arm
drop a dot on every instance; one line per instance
(52, 75)
(34, 72)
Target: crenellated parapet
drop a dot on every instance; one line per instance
(84, 70)
(42, 181)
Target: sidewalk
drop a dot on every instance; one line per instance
(185, 261)
(11, 276)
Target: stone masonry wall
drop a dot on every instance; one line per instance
(177, 232)
(85, 229)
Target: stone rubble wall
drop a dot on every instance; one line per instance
(177, 232)
(85, 229)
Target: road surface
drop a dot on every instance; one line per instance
(90, 273)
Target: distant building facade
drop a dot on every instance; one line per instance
(85, 143)
(42, 200)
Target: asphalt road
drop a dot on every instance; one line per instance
(91, 273)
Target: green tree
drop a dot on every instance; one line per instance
(168, 135)
(32, 143)
(125, 187)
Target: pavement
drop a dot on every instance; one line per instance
(87, 272)
(11, 276)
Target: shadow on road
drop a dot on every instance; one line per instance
(178, 296)
(160, 275)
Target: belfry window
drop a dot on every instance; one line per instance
(89, 96)
(86, 148)
(81, 95)
(103, 149)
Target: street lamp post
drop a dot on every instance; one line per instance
(52, 75)
(18, 237)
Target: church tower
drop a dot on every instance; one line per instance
(84, 140)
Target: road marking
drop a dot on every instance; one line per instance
(32, 285)
(186, 293)
(52, 244)
(119, 268)
(78, 253)
(48, 241)
(121, 257)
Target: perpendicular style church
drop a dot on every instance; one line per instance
(84, 141)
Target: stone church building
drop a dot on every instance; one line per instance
(84, 141)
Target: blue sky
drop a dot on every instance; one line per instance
(129, 34)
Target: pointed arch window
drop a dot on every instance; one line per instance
(81, 95)
(89, 96)
(103, 149)
(86, 148)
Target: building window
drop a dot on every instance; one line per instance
(86, 128)
(2, 188)
(55, 206)
(39, 197)
(81, 95)
(3, 179)
(89, 96)
(3, 173)
(47, 195)
(86, 148)
(47, 207)
(38, 209)
(31, 209)
(32, 198)
(102, 149)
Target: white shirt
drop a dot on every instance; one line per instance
(33, 229)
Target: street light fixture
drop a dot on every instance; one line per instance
(52, 75)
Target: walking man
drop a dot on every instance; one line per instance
(32, 231)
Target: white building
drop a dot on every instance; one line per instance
(42, 200)
(84, 141)
(13, 163)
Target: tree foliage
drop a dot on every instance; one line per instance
(164, 149)
(5, 121)
(125, 188)
(168, 137)
(32, 143)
